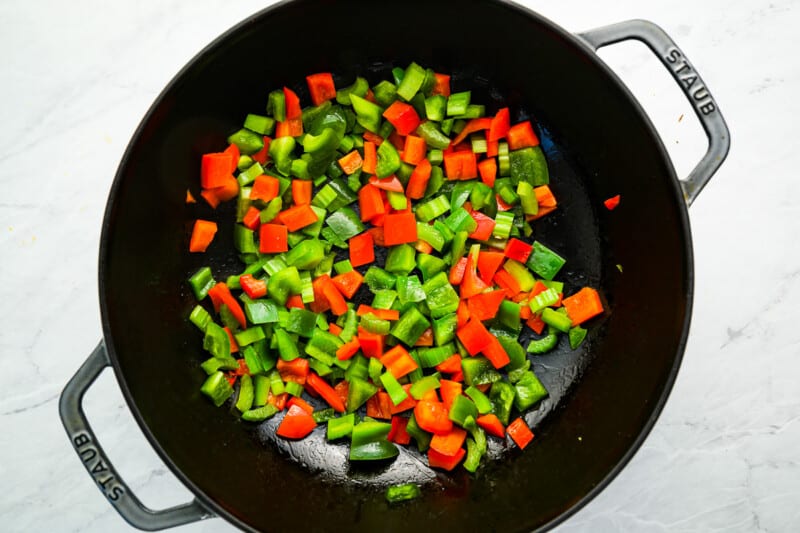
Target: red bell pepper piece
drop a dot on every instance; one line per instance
(203, 233)
(474, 336)
(471, 284)
(418, 182)
(492, 425)
(348, 283)
(488, 264)
(296, 424)
(518, 250)
(500, 125)
(449, 390)
(390, 183)
(399, 228)
(370, 202)
(432, 416)
(215, 169)
(520, 432)
(522, 136)
(273, 239)
(398, 433)
(252, 218)
(254, 288)
(461, 165)
(442, 85)
(612, 202)
(321, 87)
(221, 294)
(488, 171)
(485, 226)
(297, 217)
(476, 124)
(321, 387)
(445, 462)
(402, 116)
(495, 353)
(293, 110)
(295, 370)
(371, 343)
(485, 305)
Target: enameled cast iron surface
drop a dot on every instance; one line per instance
(604, 397)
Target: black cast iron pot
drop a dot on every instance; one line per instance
(604, 398)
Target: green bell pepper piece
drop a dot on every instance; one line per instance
(216, 341)
(373, 324)
(410, 327)
(373, 451)
(247, 141)
(435, 107)
(306, 255)
(542, 300)
(340, 427)
(287, 347)
(245, 399)
(276, 105)
(217, 388)
(433, 208)
(401, 259)
(404, 492)
(260, 390)
(412, 81)
(544, 261)
(345, 223)
(280, 151)
(529, 390)
(200, 317)
(482, 402)
(545, 344)
(260, 124)
(284, 283)
(461, 409)
(393, 388)
(367, 113)
(430, 265)
(433, 136)
(576, 336)
(529, 164)
(302, 322)
(359, 88)
(478, 371)
(376, 278)
(457, 103)
(383, 299)
(424, 385)
(559, 321)
(260, 414)
(502, 396)
(388, 160)
(385, 93)
(359, 392)
(201, 281)
(409, 289)
(212, 364)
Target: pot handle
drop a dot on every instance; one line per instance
(100, 468)
(691, 84)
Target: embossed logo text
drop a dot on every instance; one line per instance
(97, 465)
(690, 81)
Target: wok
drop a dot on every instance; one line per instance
(604, 397)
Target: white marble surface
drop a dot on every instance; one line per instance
(75, 79)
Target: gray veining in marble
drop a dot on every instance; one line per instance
(75, 79)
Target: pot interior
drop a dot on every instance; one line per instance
(603, 397)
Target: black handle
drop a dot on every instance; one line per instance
(691, 84)
(97, 464)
